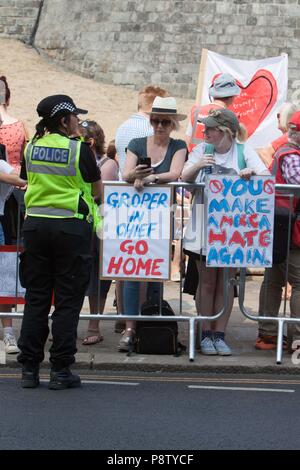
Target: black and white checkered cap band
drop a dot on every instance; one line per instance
(62, 106)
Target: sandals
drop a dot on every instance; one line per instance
(92, 338)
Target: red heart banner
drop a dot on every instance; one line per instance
(256, 100)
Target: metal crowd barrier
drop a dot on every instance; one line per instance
(281, 320)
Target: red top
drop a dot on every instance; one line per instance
(13, 136)
(282, 140)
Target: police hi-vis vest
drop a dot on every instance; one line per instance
(55, 183)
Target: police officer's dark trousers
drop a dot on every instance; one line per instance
(57, 259)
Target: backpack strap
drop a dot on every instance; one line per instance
(241, 159)
(102, 161)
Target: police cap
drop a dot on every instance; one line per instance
(58, 105)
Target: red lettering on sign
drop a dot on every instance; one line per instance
(217, 237)
(243, 220)
(125, 249)
(249, 236)
(141, 247)
(215, 186)
(252, 220)
(264, 239)
(155, 267)
(269, 186)
(226, 220)
(114, 266)
(237, 239)
(143, 266)
(129, 266)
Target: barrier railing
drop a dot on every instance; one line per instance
(192, 320)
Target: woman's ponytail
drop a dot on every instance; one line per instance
(40, 130)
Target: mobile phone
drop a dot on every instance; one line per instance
(145, 161)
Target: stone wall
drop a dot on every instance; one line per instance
(18, 17)
(134, 42)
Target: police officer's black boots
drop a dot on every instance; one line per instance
(62, 379)
(30, 376)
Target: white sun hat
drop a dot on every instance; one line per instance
(166, 107)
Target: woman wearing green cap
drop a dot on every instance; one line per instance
(220, 153)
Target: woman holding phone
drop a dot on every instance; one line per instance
(155, 159)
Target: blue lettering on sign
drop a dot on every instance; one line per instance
(50, 155)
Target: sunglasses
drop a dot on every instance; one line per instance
(163, 122)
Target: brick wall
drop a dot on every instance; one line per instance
(133, 42)
(17, 18)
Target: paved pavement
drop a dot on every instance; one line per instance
(241, 335)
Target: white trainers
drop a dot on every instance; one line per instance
(221, 347)
(10, 344)
(207, 347)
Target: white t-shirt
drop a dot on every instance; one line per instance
(5, 189)
(195, 234)
(228, 159)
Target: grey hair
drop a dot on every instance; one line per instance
(285, 113)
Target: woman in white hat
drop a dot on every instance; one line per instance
(167, 155)
(155, 159)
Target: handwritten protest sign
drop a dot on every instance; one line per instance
(240, 219)
(136, 233)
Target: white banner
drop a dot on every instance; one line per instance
(264, 89)
(136, 234)
(240, 220)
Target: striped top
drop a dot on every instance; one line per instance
(136, 126)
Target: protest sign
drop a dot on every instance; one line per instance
(10, 291)
(263, 86)
(240, 219)
(136, 240)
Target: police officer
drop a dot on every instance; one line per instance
(62, 179)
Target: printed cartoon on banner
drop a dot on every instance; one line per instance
(240, 219)
(136, 233)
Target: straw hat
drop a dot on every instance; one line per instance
(166, 107)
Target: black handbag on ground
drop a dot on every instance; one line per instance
(157, 337)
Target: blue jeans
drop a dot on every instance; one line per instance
(131, 295)
(131, 298)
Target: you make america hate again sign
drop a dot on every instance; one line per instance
(136, 233)
(240, 219)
